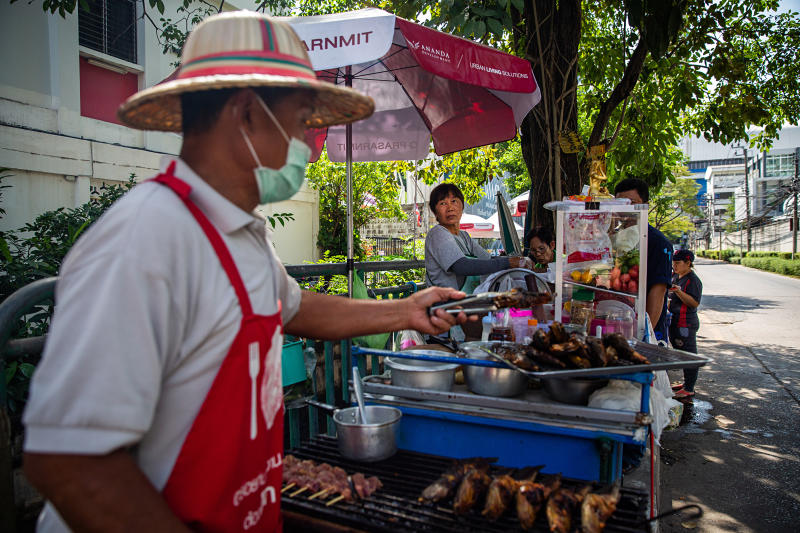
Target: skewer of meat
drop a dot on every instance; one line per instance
(596, 509)
(323, 479)
(531, 496)
(562, 508)
(503, 489)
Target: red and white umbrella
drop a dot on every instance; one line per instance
(426, 85)
(475, 225)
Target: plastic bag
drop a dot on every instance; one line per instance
(586, 238)
(408, 338)
(378, 340)
(626, 396)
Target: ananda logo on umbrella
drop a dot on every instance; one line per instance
(436, 53)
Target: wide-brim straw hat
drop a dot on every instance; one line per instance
(242, 49)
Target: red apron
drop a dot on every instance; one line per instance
(228, 474)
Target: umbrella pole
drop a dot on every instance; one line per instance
(348, 81)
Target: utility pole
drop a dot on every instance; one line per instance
(795, 186)
(747, 198)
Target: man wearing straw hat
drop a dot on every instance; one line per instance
(158, 403)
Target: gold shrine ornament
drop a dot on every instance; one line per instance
(597, 172)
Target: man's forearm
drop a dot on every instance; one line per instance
(655, 302)
(107, 493)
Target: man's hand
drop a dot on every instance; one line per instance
(417, 311)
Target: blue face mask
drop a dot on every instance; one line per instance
(276, 185)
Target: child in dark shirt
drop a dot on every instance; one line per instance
(685, 294)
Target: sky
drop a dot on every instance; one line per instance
(789, 5)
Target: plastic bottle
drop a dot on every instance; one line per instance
(519, 324)
(533, 325)
(501, 328)
(487, 327)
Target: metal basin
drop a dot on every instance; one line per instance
(575, 391)
(489, 381)
(420, 374)
(371, 442)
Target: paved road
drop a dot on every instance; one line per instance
(737, 452)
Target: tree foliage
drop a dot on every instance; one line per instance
(673, 207)
(637, 76)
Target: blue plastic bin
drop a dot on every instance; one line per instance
(294, 367)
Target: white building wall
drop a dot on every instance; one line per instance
(53, 153)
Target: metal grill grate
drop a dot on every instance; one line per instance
(109, 26)
(395, 508)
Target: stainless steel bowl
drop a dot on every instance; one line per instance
(574, 391)
(490, 381)
(420, 374)
(371, 442)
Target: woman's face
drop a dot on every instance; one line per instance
(541, 251)
(681, 268)
(448, 211)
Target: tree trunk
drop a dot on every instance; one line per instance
(551, 38)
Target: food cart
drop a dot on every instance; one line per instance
(600, 242)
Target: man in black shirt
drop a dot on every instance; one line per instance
(659, 259)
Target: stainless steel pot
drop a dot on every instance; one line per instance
(490, 381)
(371, 442)
(420, 374)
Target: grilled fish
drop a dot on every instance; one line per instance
(557, 333)
(501, 492)
(562, 507)
(516, 355)
(622, 349)
(447, 483)
(596, 509)
(531, 496)
(476, 481)
(597, 352)
(540, 340)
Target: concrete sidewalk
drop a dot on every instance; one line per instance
(736, 453)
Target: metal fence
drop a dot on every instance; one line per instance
(385, 245)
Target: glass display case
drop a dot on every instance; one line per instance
(600, 272)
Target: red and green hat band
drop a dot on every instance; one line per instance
(247, 62)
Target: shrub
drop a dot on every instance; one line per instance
(726, 254)
(736, 260)
(774, 264)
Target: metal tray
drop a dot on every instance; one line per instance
(660, 358)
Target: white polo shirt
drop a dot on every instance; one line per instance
(144, 316)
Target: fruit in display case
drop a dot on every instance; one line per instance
(625, 274)
(585, 276)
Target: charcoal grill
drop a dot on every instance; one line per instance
(395, 507)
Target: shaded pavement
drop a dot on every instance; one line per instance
(737, 452)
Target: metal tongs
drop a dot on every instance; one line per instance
(484, 302)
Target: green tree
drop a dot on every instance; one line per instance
(636, 76)
(375, 189)
(511, 161)
(673, 207)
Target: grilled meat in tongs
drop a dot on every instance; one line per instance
(492, 301)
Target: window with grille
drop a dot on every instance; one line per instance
(780, 166)
(109, 26)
